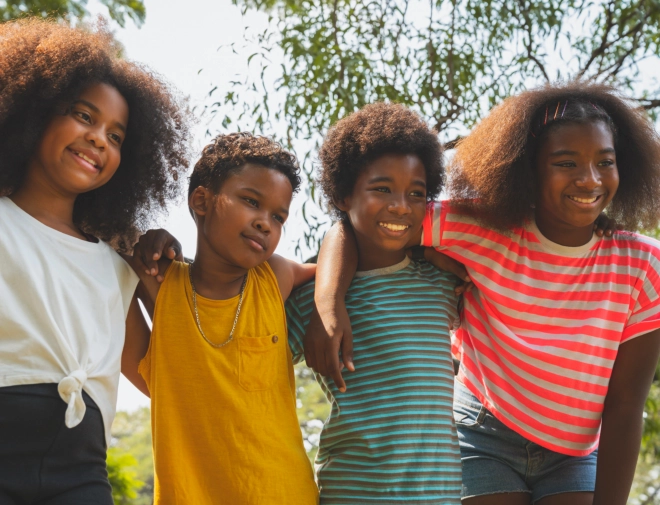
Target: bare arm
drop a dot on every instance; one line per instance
(621, 430)
(290, 274)
(149, 285)
(329, 328)
(135, 346)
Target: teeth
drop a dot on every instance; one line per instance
(584, 200)
(394, 227)
(81, 155)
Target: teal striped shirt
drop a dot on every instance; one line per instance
(390, 438)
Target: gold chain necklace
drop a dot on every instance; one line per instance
(199, 325)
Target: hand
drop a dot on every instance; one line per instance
(323, 339)
(444, 262)
(151, 246)
(606, 226)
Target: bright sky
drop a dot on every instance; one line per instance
(177, 40)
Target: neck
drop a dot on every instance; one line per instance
(564, 234)
(213, 276)
(371, 257)
(48, 205)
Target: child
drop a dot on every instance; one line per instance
(390, 437)
(551, 362)
(90, 146)
(218, 367)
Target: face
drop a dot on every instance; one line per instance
(81, 150)
(577, 177)
(242, 223)
(386, 208)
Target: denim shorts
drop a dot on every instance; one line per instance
(496, 459)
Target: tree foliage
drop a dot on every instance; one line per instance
(119, 10)
(122, 476)
(450, 60)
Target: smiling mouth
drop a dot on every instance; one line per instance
(83, 157)
(393, 226)
(585, 200)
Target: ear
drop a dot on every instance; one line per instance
(200, 200)
(344, 205)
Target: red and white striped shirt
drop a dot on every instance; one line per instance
(540, 334)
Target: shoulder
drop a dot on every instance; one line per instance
(302, 298)
(125, 274)
(633, 245)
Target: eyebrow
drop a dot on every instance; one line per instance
(375, 180)
(259, 194)
(98, 111)
(565, 152)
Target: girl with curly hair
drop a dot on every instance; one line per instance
(90, 146)
(561, 337)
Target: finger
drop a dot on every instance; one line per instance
(137, 256)
(174, 250)
(334, 371)
(455, 267)
(141, 255)
(347, 350)
(319, 361)
(147, 247)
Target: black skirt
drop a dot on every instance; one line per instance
(44, 462)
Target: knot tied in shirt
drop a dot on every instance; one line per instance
(70, 389)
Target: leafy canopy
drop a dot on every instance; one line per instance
(119, 10)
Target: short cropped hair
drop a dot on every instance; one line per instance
(227, 154)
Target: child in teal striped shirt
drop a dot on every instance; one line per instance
(390, 438)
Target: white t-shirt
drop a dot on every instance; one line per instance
(63, 307)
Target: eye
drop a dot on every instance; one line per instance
(565, 164)
(251, 201)
(117, 139)
(382, 189)
(84, 116)
(279, 218)
(418, 194)
(607, 163)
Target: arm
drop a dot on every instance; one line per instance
(621, 430)
(329, 328)
(135, 346)
(290, 274)
(149, 285)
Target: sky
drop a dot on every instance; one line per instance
(177, 42)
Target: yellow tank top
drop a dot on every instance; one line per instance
(223, 419)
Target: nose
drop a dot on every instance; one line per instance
(261, 223)
(588, 177)
(399, 205)
(96, 136)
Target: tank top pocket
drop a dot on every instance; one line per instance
(259, 361)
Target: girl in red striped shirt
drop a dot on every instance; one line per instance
(560, 340)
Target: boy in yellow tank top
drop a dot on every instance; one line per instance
(218, 367)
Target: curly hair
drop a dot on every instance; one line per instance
(228, 153)
(373, 131)
(44, 66)
(493, 173)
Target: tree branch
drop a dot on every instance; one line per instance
(528, 45)
(649, 103)
(609, 24)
